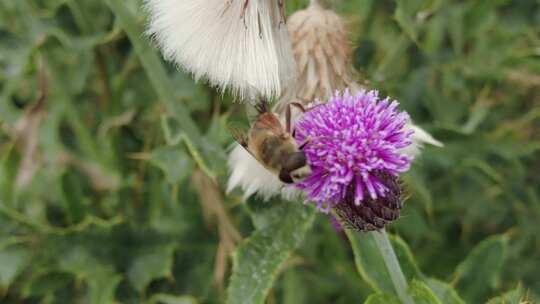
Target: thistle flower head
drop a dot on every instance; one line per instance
(353, 144)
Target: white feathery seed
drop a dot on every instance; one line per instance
(419, 138)
(248, 52)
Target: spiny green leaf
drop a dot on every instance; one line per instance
(479, 272)
(45, 282)
(150, 263)
(257, 260)
(162, 298)
(174, 162)
(102, 286)
(419, 291)
(101, 278)
(12, 261)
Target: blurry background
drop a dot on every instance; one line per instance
(113, 163)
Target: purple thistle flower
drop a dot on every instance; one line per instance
(353, 145)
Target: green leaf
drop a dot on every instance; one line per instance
(150, 263)
(420, 292)
(100, 277)
(370, 263)
(446, 293)
(102, 286)
(42, 283)
(294, 291)
(12, 261)
(162, 298)
(174, 162)
(257, 260)
(380, 298)
(371, 267)
(513, 296)
(73, 197)
(479, 272)
(8, 172)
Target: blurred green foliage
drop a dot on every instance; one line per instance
(112, 164)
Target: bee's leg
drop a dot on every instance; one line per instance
(288, 119)
(299, 105)
(302, 145)
(288, 115)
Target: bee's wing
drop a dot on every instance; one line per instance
(240, 134)
(269, 121)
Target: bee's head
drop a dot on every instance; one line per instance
(294, 168)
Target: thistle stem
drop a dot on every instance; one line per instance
(392, 264)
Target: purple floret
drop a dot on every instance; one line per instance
(351, 140)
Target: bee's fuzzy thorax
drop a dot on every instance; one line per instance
(247, 51)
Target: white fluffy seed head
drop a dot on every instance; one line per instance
(247, 51)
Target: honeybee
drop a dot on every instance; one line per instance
(273, 146)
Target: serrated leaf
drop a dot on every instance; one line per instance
(174, 162)
(479, 272)
(257, 260)
(102, 286)
(150, 263)
(420, 292)
(12, 261)
(101, 278)
(45, 282)
(162, 298)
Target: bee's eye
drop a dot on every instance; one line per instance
(294, 161)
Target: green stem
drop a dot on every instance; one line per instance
(392, 264)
